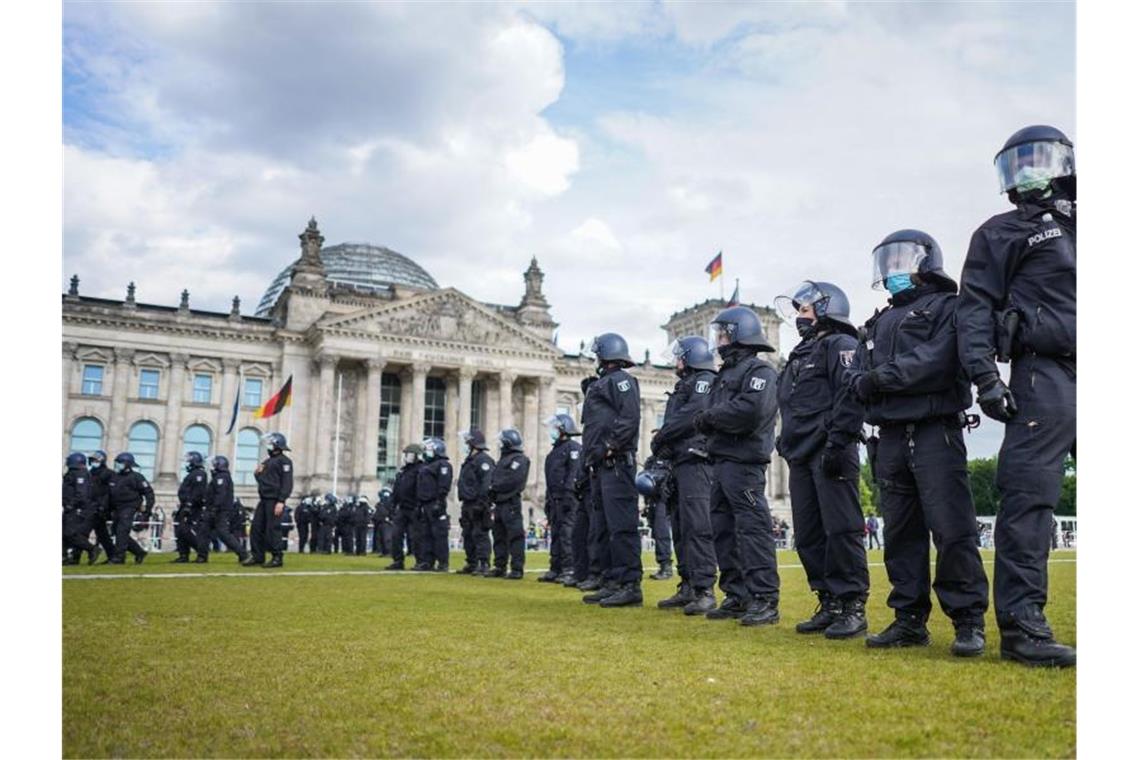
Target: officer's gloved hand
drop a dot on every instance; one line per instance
(831, 462)
(995, 398)
(865, 386)
(702, 422)
(579, 488)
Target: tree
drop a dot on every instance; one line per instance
(982, 473)
(868, 490)
(1067, 506)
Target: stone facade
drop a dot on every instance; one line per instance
(408, 361)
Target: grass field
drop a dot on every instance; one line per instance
(433, 665)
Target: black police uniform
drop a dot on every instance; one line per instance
(238, 524)
(611, 418)
(304, 518)
(474, 512)
(405, 508)
(344, 530)
(819, 413)
(274, 485)
(381, 526)
(657, 516)
(508, 480)
(327, 525)
(584, 546)
(561, 468)
(191, 503)
(740, 422)
(128, 492)
(433, 483)
(361, 517)
(100, 477)
(218, 518)
(918, 397)
(686, 450)
(1024, 261)
(79, 508)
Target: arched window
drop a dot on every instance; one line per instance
(142, 442)
(86, 435)
(197, 438)
(249, 451)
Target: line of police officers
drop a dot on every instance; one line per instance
(907, 373)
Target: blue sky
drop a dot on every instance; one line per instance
(630, 142)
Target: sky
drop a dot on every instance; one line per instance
(622, 145)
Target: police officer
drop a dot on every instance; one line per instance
(906, 373)
(590, 561)
(304, 518)
(238, 527)
(686, 450)
(405, 507)
(219, 502)
(327, 515)
(656, 514)
(508, 480)
(79, 508)
(100, 475)
(433, 483)
(345, 516)
(128, 492)
(382, 523)
(189, 516)
(821, 422)
(474, 503)
(361, 518)
(1019, 280)
(274, 484)
(740, 424)
(611, 419)
(562, 467)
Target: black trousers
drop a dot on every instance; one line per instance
(403, 527)
(693, 534)
(475, 522)
(580, 537)
(380, 538)
(345, 533)
(554, 526)
(619, 501)
(303, 536)
(660, 530)
(567, 507)
(265, 531)
(186, 531)
(124, 542)
(742, 532)
(438, 529)
(509, 534)
(76, 529)
(360, 539)
(1029, 476)
(103, 534)
(828, 520)
(216, 526)
(924, 493)
(598, 539)
(421, 538)
(467, 532)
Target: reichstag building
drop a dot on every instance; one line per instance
(380, 356)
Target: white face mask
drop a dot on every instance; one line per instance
(409, 458)
(555, 434)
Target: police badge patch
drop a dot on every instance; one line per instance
(514, 465)
(623, 385)
(702, 386)
(846, 357)
(573, 454)
(286, 467)
(757, 383)
(442, 470)
(485, 467)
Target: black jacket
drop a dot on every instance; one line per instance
(562, 467)
(509, 478)
(742, 410)
(911, 349)
(1025, 259)
(362, 514)
(677, 437)
(327, 513)
(475, 477)
(130, 489)
(77, 490)
(433, 482)
(275, 478)
(192, 490)
(100, 487)
(220, 493)
(611, 416)
(817, 407)
(404, 488)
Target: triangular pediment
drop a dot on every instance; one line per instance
(442, 315)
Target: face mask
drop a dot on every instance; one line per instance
(119, 467)
(409, 458)
(554, 435)
(897, 283)
(1030, 178)
(805, 326)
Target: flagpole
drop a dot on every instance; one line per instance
(336, 435)
(237, 428)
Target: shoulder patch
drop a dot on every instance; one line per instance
(485, 466)
(846, 357)
(80, 481)
(515, 465)
(443, 470)
(198, 479)
(574, 454)
(623, 385)
(702, 386)
(286, 467)
(757, 383)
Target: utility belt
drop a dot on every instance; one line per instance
(959, 420)
(619, 457)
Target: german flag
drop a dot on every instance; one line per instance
(280, 400)
(715, 267)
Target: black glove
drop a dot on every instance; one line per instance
(865, 386)
(655, 443)
(702, 422)
(831, 462)
(587, 382)
(579, 488)
(995, 398)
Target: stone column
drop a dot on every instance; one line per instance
(506, 416)
(369, 483)
(405, 409)
(546, 407)
(120, 385)
(68, 368)
(313, 391)
(226, 407)
(325, 410)
(451, 413)
(419, 398)
(171, 443)
(530, 431)
(466, 377)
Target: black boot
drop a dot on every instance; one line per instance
(548, 577)
(761, 612)
(730, 608)
(138, 558)
(627, 595)
(496, 572)
(242, 557)
(969, 637)
(276, 562)
(825, 613)
(252, 562)
(465, 570)
(93, 554)
(605, 591)
(593, 583)
(421, 567)
(664, 572)
(683, 596)
(907, 631)
(850, 622)
(566, 579)
(481, 568)
(180, 559)
(704, 601)
(514, 575)
(397, 565)
(1027, 638)
(201, 559)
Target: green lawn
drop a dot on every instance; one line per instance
(434, 665)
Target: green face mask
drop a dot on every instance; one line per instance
(1029, 178)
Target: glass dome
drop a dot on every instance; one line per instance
(361, 266)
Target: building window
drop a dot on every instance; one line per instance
(435, 404)
(388, 450)
(197, 438)
(248, 455)
(142, 442)
(92, 380)
(252, 391)
(478, 404)
(203, 389)
(148, 383)
(87, 435)
(660, 420)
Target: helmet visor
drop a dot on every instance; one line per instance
(675, 351)
(717, 329)
(789, 303)
(1032, 165)
(903, 257)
